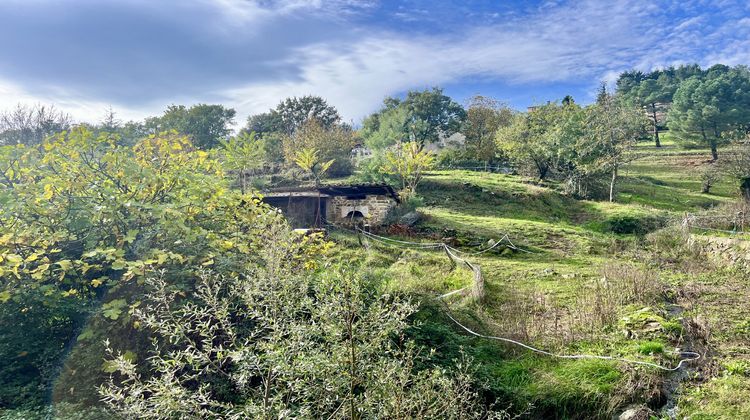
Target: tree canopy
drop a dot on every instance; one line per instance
(711, 108)
(206, 125)
(31, 125)
(292, 113)
(428, 116)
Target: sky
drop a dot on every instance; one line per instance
(139, 56)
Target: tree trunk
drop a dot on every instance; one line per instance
(656, 125)
(714, 151)
(543, 169)
(745, 188)
(612, 184)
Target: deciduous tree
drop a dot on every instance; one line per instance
(206, 125)
(484, 117)
(30, 125)
(408, 161)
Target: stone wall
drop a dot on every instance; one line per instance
(373, 208)
(725, 250)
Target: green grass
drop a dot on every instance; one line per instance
(529, 294)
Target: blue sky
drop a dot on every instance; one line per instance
(139, 56)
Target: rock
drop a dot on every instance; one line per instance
(410, 219)
(636, 412)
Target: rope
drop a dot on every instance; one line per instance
(691, 356)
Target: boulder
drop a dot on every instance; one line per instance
(636, 412)
(410, 219)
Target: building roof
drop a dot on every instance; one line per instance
(334, 191)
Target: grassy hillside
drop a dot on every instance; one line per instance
(601, 278)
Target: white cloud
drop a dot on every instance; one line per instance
(583, 41)
(82, 109)
(559, 44)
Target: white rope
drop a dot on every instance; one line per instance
(502, 241)
(693, 355)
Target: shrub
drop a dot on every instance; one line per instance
(638, 225)
(279, 342)
(651, 347)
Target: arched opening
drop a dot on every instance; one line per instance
(355, 215)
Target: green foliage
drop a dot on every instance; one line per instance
(309, 161)
(431, 115)
(36, 328)
(83, 217)
(612, 129)
(292, 113)
(638, 224)
(651, 347)
(390, 129)
(206, 125)
(544, 139)
(483, 118)
(331, 144)
(424, 116)
(242, 153)
(409, 162)
(711, 107)
(277, 341)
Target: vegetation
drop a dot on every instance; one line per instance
(145, 277)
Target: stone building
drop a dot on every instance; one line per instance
(343, 205)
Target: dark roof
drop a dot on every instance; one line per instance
(335, 190)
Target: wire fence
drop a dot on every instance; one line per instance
(477, 291)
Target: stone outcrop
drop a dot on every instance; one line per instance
(723, 250)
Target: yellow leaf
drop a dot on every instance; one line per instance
(40, 272)
(13, 259)
(65, 264)
(98, 281)
(49, 191)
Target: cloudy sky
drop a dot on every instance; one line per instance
(139, 56)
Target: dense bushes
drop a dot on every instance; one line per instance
(83, 217)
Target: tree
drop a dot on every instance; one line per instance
(31, 125)
(334, 143)
(484, 117)
(389, 130)
(649, 94)
(293, 113)
(711, 108)
(432, 115)
(241, 153)
(263, 124)
(612, 129)
(309, 161)
(83, 219)
(737, 165)
(428, 116)
(110, 123)
(408, 161)
(206, 125)
(527, 140)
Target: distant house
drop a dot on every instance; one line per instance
(360, 152)
(343, 205)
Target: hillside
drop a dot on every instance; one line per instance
(599, 278)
